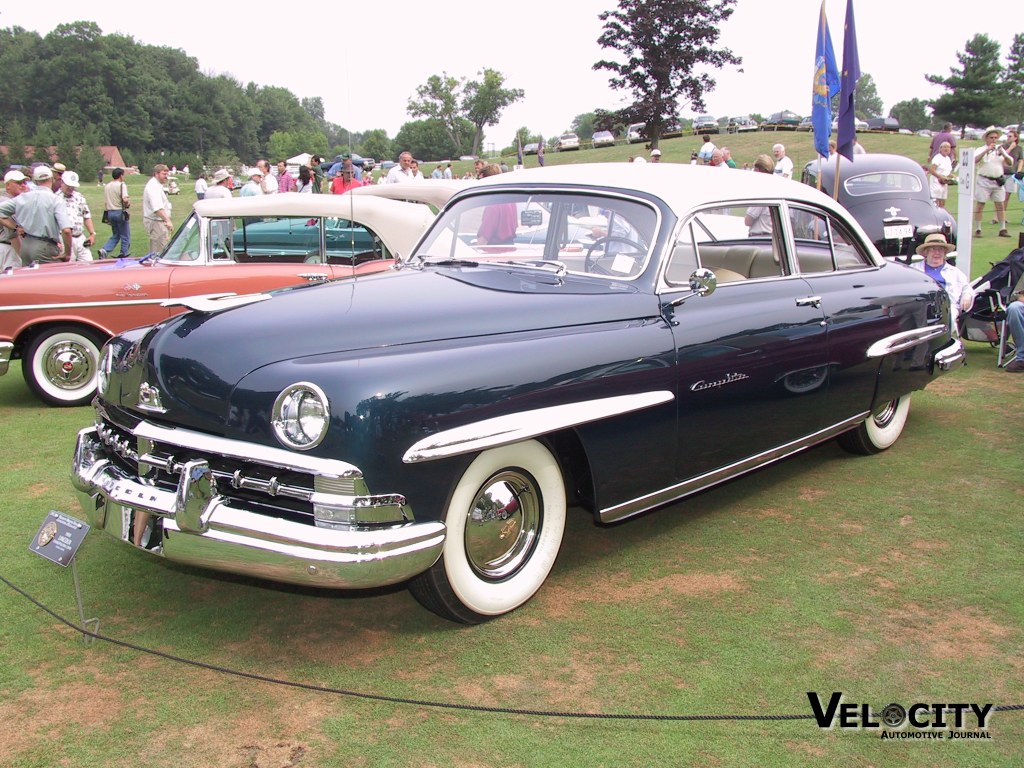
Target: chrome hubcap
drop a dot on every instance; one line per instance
(68, 365)
(503, 524)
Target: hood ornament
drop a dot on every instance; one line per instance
(149, 399)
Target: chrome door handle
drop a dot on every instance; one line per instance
(809, 301)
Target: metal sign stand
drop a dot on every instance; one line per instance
(58, 540)
(88, 625)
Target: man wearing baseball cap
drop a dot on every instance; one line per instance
(15, 182)
(83, 233)
(42, 219)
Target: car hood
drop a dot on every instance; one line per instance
(198, 360)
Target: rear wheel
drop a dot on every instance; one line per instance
(504, 529)
(880, 430)
(61, 365)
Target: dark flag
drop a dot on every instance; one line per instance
(826, 86)
(848, 86)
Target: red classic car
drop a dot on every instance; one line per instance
(56, 317)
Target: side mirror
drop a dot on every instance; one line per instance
(703, 281)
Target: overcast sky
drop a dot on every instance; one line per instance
(365, 60)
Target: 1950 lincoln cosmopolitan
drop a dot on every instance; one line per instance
(560, 337)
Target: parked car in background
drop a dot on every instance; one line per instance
(56, 317)
(435, 425)
(782, 121)
(705, 124)
(883, 124)
(858, 124)
(568, 141)
(741, 124)
(604, 139)
(805, 124)
(672, 130)
(531, 148)
(888, 195)
(635, 133)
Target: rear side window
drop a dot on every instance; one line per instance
(737, 243)
(823, 244)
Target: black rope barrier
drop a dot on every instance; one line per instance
(407, 701)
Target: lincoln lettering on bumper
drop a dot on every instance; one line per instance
(200, 527)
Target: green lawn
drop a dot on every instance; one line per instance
(893, 578)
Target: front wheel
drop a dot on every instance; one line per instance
(504, 528)
(880, 430)
(61, 365)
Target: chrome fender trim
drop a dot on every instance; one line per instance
(905, 340)
(515, 427)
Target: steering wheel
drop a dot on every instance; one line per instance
(592, 263)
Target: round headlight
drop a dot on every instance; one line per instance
(103, 373)
(301, 416)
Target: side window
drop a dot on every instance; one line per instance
(823, 244)
(736, 243)
(350, 243)
(272, 240)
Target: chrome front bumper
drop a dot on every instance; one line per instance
(200, 528)
(6, 350)
(950, 356)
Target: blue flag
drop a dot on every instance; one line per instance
(826, 86)
(848, 86)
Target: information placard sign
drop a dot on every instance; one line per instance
(59, 538)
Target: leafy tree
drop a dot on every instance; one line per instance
(16, 140)
(464, 107)
(376, 144)
(868, 103)
(912, 114)
(285, 144)
(664, 42)
(1013, 80)
(970, 86)
(314, 108)
(428, 139)
(583, 125)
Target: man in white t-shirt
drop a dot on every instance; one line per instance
(988, 180)
(783, 165)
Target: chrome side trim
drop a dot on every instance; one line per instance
(905, 340)
(709, 479)
(514, 427)
(81, 305)
(249, 452)
(6, 350)
(212, 303)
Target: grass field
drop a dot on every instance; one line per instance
(893, 578)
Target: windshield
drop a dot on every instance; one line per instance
(587, 233)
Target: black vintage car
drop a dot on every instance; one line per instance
(888, 195)
(639, 338)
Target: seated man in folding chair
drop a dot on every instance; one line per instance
(1015, 322)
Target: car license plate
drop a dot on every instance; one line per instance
(898, 231)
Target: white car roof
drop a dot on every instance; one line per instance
(400, 223)
(683, 187)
